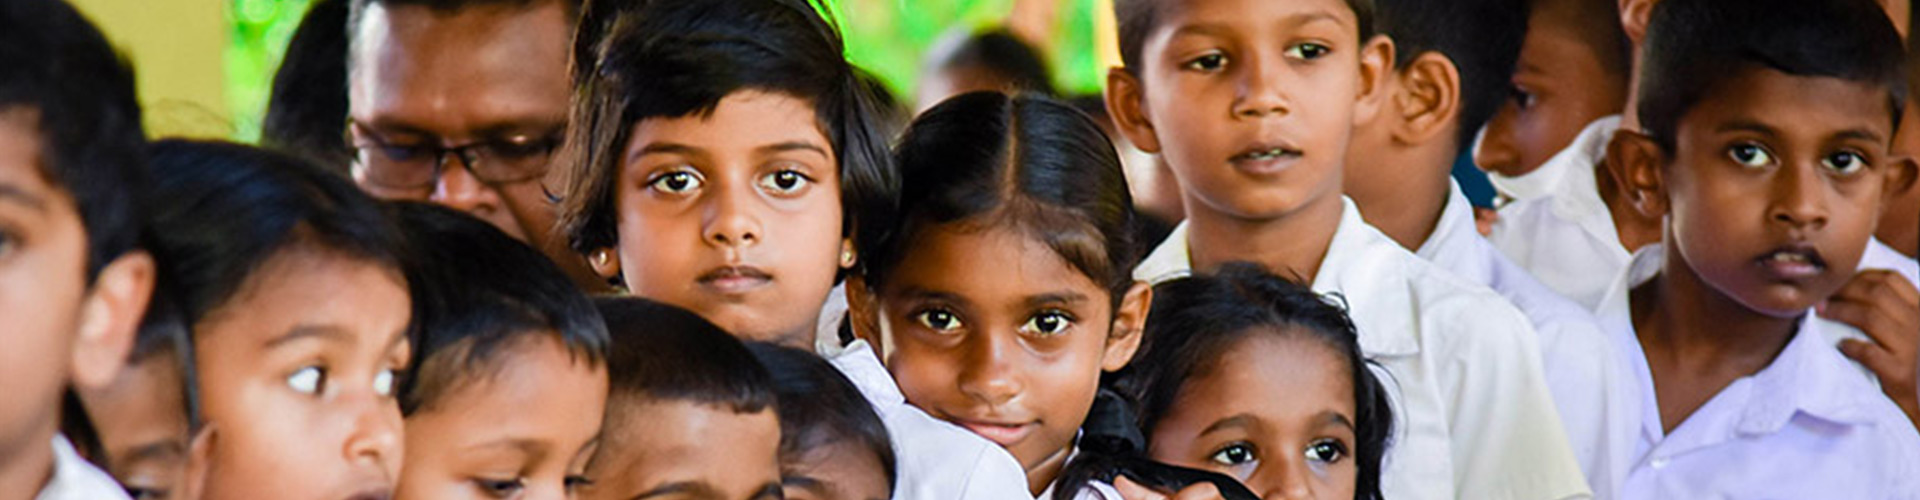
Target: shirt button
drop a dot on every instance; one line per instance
(1660, 462)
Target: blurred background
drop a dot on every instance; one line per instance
(205, 66)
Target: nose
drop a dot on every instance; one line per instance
(1282, 478)
(1798, 198)
(375, 440)
(458, 189)
(731, 220)
(1495, 151)
(1262, 93)
(989, 376)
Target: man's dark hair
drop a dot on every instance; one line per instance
(60, 73)
(661, 352)
(478, 294)
(1138, 18)
(820, 407)
(307, 110)
(997, 52)
(1481, 37)
(1693, 47)
(677, 58)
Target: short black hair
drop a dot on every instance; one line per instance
(1027, 162)
(219, 210)
(1195, 320)
(62, 72)
(307, 110)
(477, 294)
(1138, 18)
(998, 52)
(820, 407)
(1695, 46)
(677, 58)
(661, 352)
(1481, 37)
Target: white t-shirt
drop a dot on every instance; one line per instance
(76, 479)
(1473, 417)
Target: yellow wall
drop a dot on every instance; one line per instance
(176, 47)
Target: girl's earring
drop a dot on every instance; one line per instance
(604, 263)
(847, 257)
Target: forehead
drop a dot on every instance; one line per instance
(1792, 104)
(531, 386)
(302, 288)
(988, 264)
(662, 442)
(1221, 17)
(743, 121)
(450, 73)
(1264, 363)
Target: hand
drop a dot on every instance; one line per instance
(1130, 490)
(1887, 308)
(1484, 219)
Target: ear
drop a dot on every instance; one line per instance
(1126, 102)
(605, 262)
(110, 316)
(863, 313)
(1638, 166)
(1129, 325)
(1634, 16)
(1901, 175)
(193, 480)
(1376, 59)
(1428, 98)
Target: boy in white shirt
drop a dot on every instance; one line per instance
(1763, 139)
(1252, 104)
(1450, 62)
(73, 283)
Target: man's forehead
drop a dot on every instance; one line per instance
(459, 73)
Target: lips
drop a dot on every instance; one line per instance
(735, 280)
(373, 494)
(1265, 158)
(1006, 434)
(1792, 263)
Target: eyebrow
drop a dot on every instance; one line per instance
(695, 489)
(917, 293)
(1241, 421)
(20, 196)
(532, 447)
(1068, 297)
(1744, 125)
(155, 451)
(502, 129)
(1336, 418)
(666, 148)
(791, 146)
(325, 333)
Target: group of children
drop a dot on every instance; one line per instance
(680, 249)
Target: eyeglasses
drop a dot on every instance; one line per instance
(509, 160)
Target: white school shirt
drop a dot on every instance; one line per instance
(1561, 232)
(1806, 426)
(1575, 354)
(1881, 256)
(1472, 416)
(933, 459)
(76, 479)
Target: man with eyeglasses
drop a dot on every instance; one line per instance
(462, 103)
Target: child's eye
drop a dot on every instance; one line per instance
(574, 481)
(1750, 155)
(680, 182)
(1522, 98)
(1326, 451)
(146, 493)
(785, 182)
(1047, 324)
(1845, 163)
(1308, 51)
(499, 488)
(309, 380)
(1207, 63)
(939, 321)
(1234, 455)
(383, 382)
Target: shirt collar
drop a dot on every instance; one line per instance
(1590, 145)
(1364, 268)
(1452, 246)
(75, 478)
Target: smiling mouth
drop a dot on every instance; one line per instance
(1793, 263)
(735, 280)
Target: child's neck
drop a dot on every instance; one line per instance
(1294, 243)
(1698, 340)
(27, 466)
(1042, 475)
(1410, 214)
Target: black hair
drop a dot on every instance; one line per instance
(1026, 162)
(677, 58)
(477, 294)
(1138, 18)
(820, 407)
(61, 72)
(658, 351)
(218, 211)
(1695, 46)
(1196, 320)
(999, 53)
(1606, 39)
(307, 110)
(1481, 37)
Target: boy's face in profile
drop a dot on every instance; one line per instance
(1251, 102)
(142, 422)
(734, 215)
(683, 450)
(43, 284)
(297, 376)
(1560, 86)
(1775, 185)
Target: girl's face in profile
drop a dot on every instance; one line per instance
(297, 373)
(990, 329)
(1226, 419)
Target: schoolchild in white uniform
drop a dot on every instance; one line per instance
(1765, 130)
